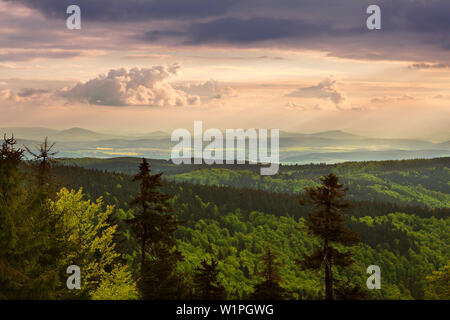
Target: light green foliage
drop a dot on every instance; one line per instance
(117, 285)
(438, 284)
(89, 244)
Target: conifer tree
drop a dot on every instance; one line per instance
(12, 277)
(269, 288)
(326, 222)
(48, 243)
(43, 157)
(28, 254)
(207, 286)
(155, 228)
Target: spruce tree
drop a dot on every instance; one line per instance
(12, 277)
(326, 222)
(48, 240)
(206, 284)
(269, 288)
(43, 158)
(155, 228)
(29, 253)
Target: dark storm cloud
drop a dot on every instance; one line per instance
(232, 30)
(132, 10)
(421, 29)
(416, 16)
(428, 16)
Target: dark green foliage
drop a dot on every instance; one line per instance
(228, 224)
(12, 277)
(30, 247)
(232, 225)
(206, 284)
(348, 291)
(416, 182)
(269, 288)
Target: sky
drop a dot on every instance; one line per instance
(296, 65)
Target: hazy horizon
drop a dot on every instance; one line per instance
(442, 136)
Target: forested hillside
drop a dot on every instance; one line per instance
(400, 210)
(423, 182)
(203, 232)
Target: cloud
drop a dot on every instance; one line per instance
(326, 89)
(304, 24)
(26, 55)
(146, 86)
(429, 66)
(237, 58)
(385, 99)
(210, 89)
(7, 66)
(133, 87)
(419, 27)
(6, 94)
(226, 92)
(442, 96)
(25, 94)
(145, 56)
(133, 10)
(242, 31)
(31, 92)
(293, 106)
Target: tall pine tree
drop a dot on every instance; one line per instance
(155, 228)
(326, 222)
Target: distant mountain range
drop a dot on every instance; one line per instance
(325, 147)
(332, 134)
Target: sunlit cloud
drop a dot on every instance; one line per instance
(325, 89)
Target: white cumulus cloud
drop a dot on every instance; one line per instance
(121, 87)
